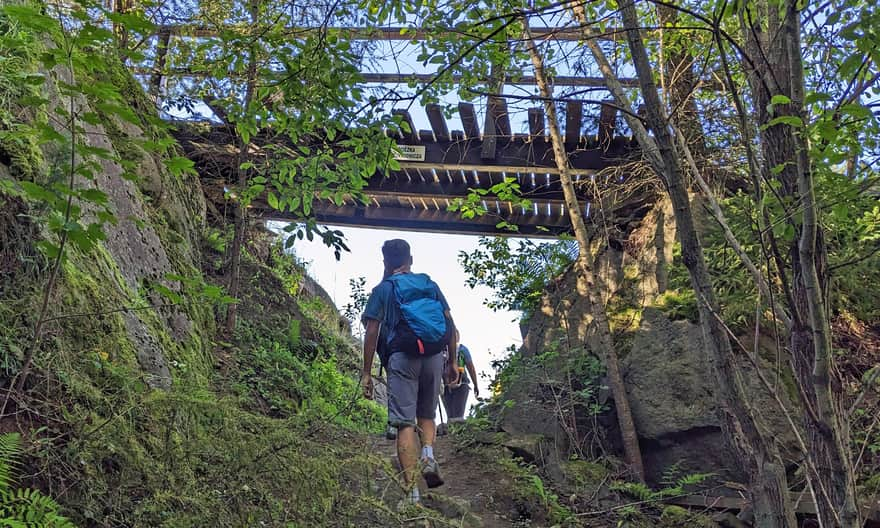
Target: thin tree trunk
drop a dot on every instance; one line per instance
(767, 475)
(715, 209)
(591, 288)
(778, 70)
(164, 40)
(241, 207)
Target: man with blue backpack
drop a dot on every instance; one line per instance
(417, 329)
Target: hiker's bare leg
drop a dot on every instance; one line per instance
(428, 429)
(408, 453)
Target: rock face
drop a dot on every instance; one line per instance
(666, 371)
(159, 220)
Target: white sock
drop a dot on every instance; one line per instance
(428, 452)
(414, 495)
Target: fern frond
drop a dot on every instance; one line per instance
(10, 450)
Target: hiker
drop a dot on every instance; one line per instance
(455, 394)
(418, 328)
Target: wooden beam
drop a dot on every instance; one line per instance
(409, 136)
(438, 121)
(537, 125)
(469, 120)
(574, 116)
(607, 117)
(433, 220)
(213, 147)
(708, 85)
(498, 109)
(490, 137)
(378, 34)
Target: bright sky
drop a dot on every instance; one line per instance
(486, 333)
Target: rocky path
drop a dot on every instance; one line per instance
(466, 498)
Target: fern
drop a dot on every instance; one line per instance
(10, 449)
(24, 507)
(673, 485)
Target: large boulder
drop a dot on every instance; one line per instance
(673, 398)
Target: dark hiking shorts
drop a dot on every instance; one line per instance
(413, 387)
(455, 401)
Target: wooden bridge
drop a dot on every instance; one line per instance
(437, 166)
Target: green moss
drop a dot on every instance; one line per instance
(625, 319)
(678, 517)
(678, 305)
(584, 474)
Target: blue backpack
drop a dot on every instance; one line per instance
(422, 329)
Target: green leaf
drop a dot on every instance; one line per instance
(780, 99)
(49, 249)
(273, 200)
(792, 121)
(179, 165)
(816, 97)
(96, 196)
(37, 192)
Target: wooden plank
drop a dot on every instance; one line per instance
(426, 136)
(607, 115)
(432, 220)
(502, 118)
(574, 116)
(537, 128)
(211, 149)
(490, 136)
(803, 502)
(438, 121)
(410, 136)
(469, 120)
(463, 182)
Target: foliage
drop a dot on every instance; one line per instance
(359, 296)
(296, 95)
(517, 275)
(23, 507)
(673, 484)
(312, 388)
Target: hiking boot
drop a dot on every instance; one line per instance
(390, 432)
(431, 473)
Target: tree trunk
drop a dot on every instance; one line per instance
(164, 41)
(777, 70)
(761, 459)
(590, 284)
(242, 183)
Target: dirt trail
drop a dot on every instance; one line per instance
(466, 498)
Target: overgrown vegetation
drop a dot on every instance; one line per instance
(518, 274)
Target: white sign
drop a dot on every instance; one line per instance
(410, 153)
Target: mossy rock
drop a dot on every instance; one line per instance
(583, 473)
(678, 517)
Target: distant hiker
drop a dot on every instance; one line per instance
(418, 328)
(455, 394)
